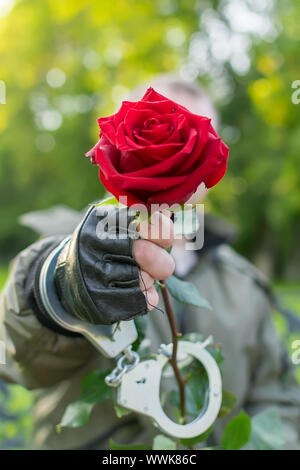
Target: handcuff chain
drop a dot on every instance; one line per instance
(114, 378)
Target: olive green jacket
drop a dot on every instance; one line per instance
(53, 366)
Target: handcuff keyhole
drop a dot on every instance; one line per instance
(141, 381)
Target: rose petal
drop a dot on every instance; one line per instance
(210, 172)
(111, 152)
(173, 163)
(135, 118)
(106, 159)
(131, 199)
(152, 96)
(109, 124)
(161, 107)
(158, 133)
(148, 154)
(154, 153)
(129, 162)
(197, 157)
(92, 154)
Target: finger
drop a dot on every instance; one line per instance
(153, 259)
(146, 281)
(166, 212)
(160, 231)
(152, 298)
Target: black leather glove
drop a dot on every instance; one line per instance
(96, 275)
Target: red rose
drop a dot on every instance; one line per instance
(156, 151)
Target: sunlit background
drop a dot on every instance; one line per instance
(65, 63)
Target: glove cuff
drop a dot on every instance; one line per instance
(34, 298)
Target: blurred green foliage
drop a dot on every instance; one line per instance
(3, 274)
(264, 179)
(289, 295)
(15, 416)
(15, 407)
(66, 63)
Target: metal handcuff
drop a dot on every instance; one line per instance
(138, 381)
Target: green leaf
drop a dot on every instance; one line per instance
(195, 390)
(114, 446)
(267, 431)
(94, 390)
(193, 337)
(141, 327)
(216, 351)
(212, 448)
(76, 414)
(237, 432)
(186, 293)
(121, 411)
(162, 442)
(195, 440)
(229, 401)
(109, 201)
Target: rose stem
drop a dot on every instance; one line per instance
(175, 337)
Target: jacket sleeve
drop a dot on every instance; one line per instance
(273, 378)
(36, 356)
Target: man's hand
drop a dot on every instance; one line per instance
(151, 255)
(103, 277)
